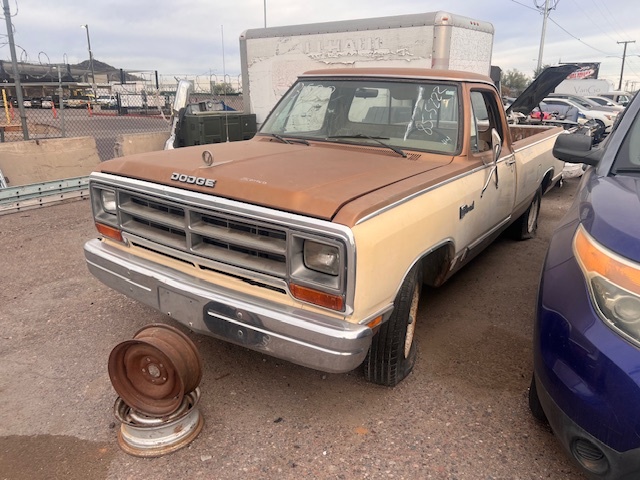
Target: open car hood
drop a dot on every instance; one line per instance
(542, 86)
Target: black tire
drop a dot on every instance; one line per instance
(526, 226)
(534, 403)
(393, 349)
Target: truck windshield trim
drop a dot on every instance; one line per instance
(407, 115)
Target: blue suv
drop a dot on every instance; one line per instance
(586, 380)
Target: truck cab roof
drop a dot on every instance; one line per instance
(417, 73)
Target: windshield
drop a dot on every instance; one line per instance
(628, 157)
(416, 116)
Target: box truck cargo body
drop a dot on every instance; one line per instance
(272, 58)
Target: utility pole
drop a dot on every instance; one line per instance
(624, 54)
(16, 74)
(545, 15)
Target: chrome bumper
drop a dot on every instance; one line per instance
(299, 336)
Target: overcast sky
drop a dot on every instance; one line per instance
(181, 37)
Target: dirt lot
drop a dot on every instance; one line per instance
(462, 414)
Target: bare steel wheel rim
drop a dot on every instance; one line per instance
(144, 436)
(153, 371)
(411, 321)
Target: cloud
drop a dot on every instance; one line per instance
(186, 37)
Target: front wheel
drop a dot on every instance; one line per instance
(526, 225)
(393, 349)
(534, 402)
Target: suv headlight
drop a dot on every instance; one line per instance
(614, 284)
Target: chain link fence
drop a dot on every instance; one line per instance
(103, 118)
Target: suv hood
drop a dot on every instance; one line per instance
(314, 180)
(542, 86)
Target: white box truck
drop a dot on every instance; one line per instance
(272, 58)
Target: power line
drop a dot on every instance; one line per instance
(597, 24)
(624, 34)
(576, 38)
(525, 6)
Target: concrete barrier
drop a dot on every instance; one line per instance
(131, 144)
(37, 161)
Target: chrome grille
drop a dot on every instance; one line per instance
(217, 236)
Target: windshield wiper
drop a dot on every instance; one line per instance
(278, 137)
(375, 139)
(289, 140)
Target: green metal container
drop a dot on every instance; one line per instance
(200, 128)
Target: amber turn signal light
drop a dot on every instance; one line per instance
(109, 232)
(334, 302)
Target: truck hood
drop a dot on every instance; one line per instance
(543, 85)
(314, 180)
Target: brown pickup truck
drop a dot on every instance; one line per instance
(311, 241)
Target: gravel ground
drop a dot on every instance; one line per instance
(462, 414)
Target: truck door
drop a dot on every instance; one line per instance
(493, 184)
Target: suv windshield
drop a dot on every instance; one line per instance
(416, 116)
(628, 157)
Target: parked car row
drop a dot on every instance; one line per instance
(39, 102)
(105, 101)
(109, 101)
(620, 97)
(586, 379)
(585, 111)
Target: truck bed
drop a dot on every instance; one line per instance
(521, 134)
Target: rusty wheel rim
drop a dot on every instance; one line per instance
(155, 370)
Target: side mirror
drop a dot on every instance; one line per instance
(496, 144)
(182, 96)
(180, 101)
(576, 148)
(496, 148)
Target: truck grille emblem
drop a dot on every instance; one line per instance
(193, 180)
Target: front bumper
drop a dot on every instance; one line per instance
(294, 334)
(618, 465)
(587, 376)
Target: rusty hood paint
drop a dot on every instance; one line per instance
(315, 180)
